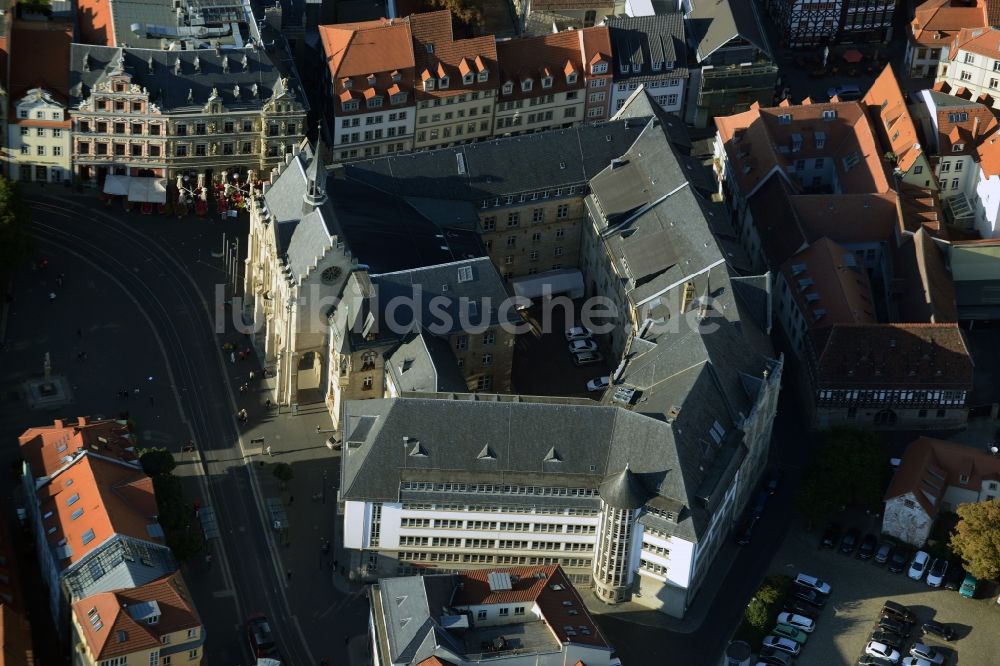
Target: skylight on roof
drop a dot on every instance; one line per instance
(465, 274)
(88, 536)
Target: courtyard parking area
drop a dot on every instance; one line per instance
(859, 588)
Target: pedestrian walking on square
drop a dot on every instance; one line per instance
(267, 403)
(251, 375)
(232, 357)
(243, 388)
(268, 449)
(136, 391)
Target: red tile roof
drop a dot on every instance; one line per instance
(434, 46)
(929, 466)
(96, 22)
(847, 218)
(893, 356)
(47, 448)
(962, 121)
(546, 586)
(104, 617)
(922, 284)
(553, 55)
(829, 285)
(39, 58)
(921, 209)
(115, 498)
(936, 22)
(759, 141)
(355, 51)
(896, 128)
(982, 41)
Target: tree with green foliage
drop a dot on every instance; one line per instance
(283, 473)
(175, 513)
(156, 461)
(466, 11)
(976, 538)
(14, 217)
(849, 470)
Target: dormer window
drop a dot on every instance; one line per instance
(958, 147)
(467, 78)
(351, 105)
(625, 66)
(599, 68)
(398, 98)
(829, 114)
(571, 78)
(375, 102)
(657, 65)
(443, 82)
(636, 67)
(484, 75)
(371, 79)
(526, 85)
(547, 82)
(508, 88)
(669, 65)
(347, 84)
(428, 85)
(785, 119)
(396, 76)
(430, 47)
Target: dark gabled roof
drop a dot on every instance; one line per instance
(484, 171)
(711, 24)
(187, 88)
(425, 363)
(644, 41)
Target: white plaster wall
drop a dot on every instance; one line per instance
(911, 525)
(988, 205)
(355, 524)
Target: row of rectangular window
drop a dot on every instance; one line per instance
(439, 523)
(477, 558)
(533, 196)
(499, 508)
(502, 544)
(489, 223)
(497, 489)
(447, 132)
(346, 123)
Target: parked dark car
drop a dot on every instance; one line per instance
(867, 548)
(883, 554)
(892, 624)
(772, 657)
(938, 629)
(953, 579)
(900, 559)
(745, 534)
(810, 597)
(850, 541)
(871, 660)
(799, 608)
(259, 636)
(899, 612)
(830, 536)
(890, 638)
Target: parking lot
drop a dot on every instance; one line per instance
(543, 364)
(859, 588)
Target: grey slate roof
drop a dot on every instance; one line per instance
(641, 106)
(411, 606)
(425, 363)
(531, 162)
(623, 490)
(645, 41)
(714, 23)
(189, 88)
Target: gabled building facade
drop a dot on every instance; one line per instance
(143, 113)
(733, 67)
(892, 376)
(650, 51)
(463, 304)
(897, 131)
(369, 75)
(153, 623)
(456, 82)
(803, 24)
(972, 55)
(936, 475)
(92, 513)
(932, 30)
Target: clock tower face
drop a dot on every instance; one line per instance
(330, 275)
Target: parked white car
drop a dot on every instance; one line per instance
(936, 574)
(915, 661)
(927, 653)
(883, 651)
(918, 567)
(598, 384)
(813, 583)
(797, 621)
(582, 345)
(578, 333)
(784, 644)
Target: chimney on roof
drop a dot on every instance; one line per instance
(975, 127)
(59, 423)
(82, 420)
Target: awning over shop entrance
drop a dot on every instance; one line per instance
(116, 185)
(153, 190)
